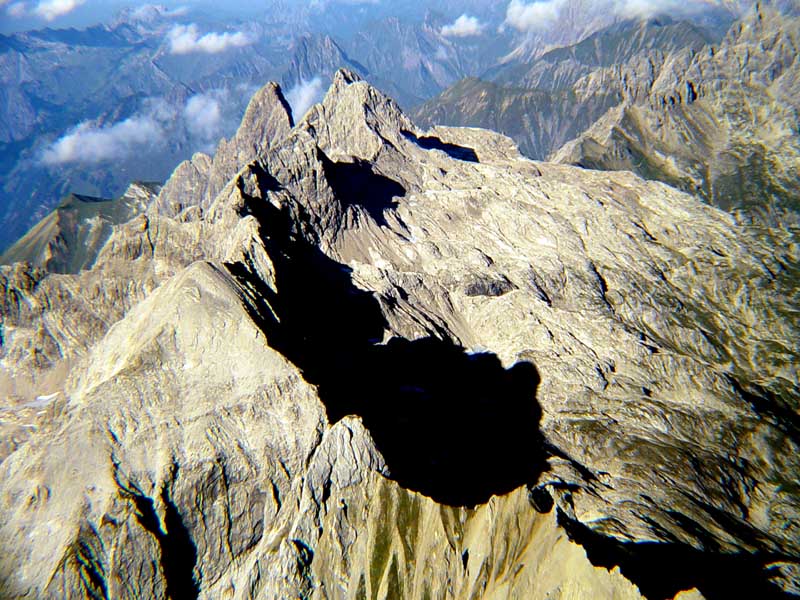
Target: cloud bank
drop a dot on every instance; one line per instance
(303, 95)
(50, 10)
(463, 26)
(542, 14)
(203, 116)
(151, 12)
(533, 16)
(649, 8)
(91, 144)
(201, 119)
(185, 39)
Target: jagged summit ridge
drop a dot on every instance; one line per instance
(354, 265)
(268, 118)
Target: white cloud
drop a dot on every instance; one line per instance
(150, 12)
(88, 143)
(50, 10)
(202, 120)
(630, 9)
(203, 116)
(303, 95)
(184, 39)
(543, 14)
(533, 16)
(463, 26)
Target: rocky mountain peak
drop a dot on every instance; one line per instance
(355, 119)
(268, 117)
(267, 120)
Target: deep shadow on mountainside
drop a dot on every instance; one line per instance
(661, 570)
(452, 425)
(455, 426)
(220, 456)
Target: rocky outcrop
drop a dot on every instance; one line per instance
(392, 363)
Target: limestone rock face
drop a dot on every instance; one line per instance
(389, 363)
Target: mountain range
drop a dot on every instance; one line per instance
(88, 111)
(660, 98)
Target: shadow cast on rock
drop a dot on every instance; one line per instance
(452, 150)
(454, 426)
(662, 570)
(356, 184)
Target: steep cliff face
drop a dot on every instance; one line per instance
(268, 117)
(387, 363)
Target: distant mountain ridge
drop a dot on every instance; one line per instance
(69, 239)
(658, 98)
(544, 104)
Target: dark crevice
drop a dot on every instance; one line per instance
(601, 282)
(434, 143)
(87, 551)
(455, 426)
(661, 570)
(178, 551)
(769, 405)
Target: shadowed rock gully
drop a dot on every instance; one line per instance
(661, 570)
(355, 183)
(178, 551)
(455, 426)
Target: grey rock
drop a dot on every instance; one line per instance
(699, 129)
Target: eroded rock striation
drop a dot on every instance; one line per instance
(379, 362)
